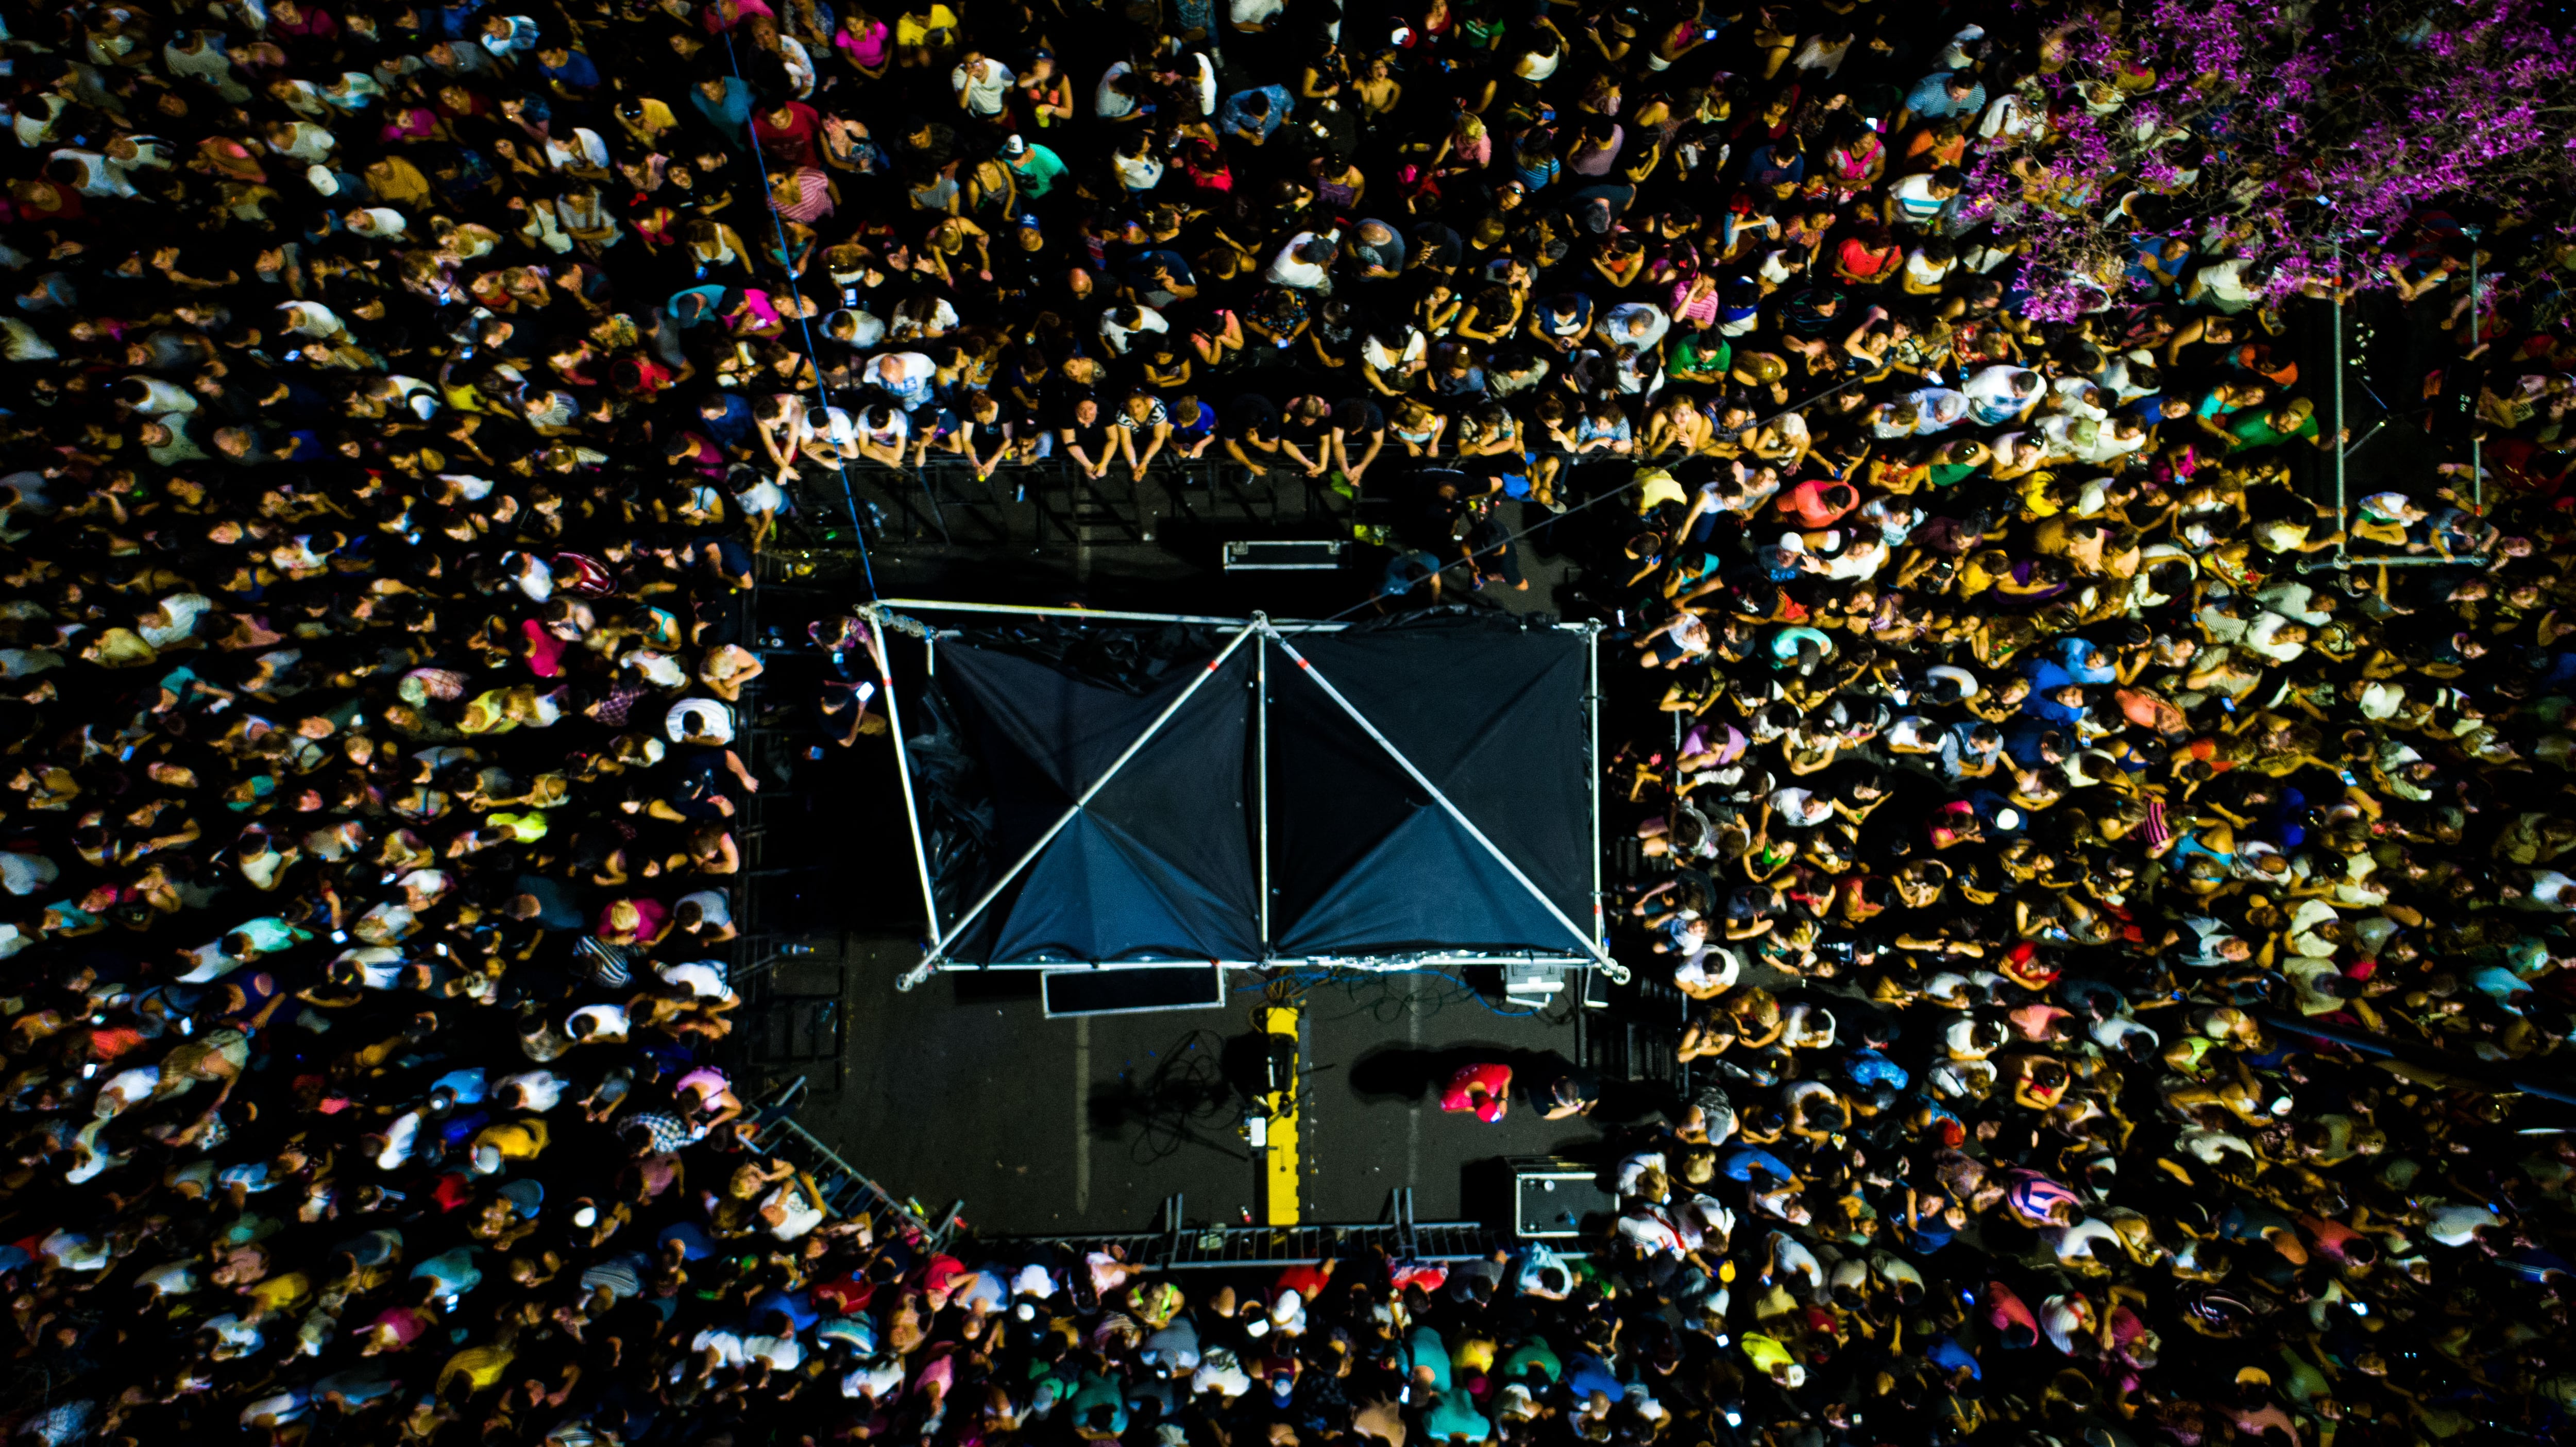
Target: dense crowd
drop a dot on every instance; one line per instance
(400, 395)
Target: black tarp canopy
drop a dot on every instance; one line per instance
(1184, 733)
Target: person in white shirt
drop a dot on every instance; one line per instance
(383, 223)
(2228, 286)
(1306, 262)
(313, 319)
(980, 82)
(89, 172)
(1114, 101)
(2277, 638)
(1119, 325)
(1638, 324)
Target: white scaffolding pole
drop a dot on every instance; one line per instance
(1592, 770)
(903, 771)
(1261, 779)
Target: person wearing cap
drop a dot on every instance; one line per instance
(1034, 167)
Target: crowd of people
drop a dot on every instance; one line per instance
(401, 395)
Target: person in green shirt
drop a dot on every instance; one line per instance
(1034, 168)
(1959, 460)
(1099, 1408)
(2295, 419)
(1533, 1355)
(1702, 357)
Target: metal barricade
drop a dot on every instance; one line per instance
(1056, 505)
(1180, 1246)
(848, 1193)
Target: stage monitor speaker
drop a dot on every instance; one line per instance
(1283, 555)
(1554, 1198)
(1131, 990)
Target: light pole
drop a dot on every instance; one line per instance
(2477, 469)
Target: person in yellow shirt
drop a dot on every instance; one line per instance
(923, 38)
(645, 119)
(481, 1367)
(397, 182)
(279, 1294)
(521, 1140)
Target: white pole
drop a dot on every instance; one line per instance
(1592, 762)
(2477, 469)
(903, 771)
(2343, 519)
(1261, 773)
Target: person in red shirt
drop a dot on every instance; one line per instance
(787, 133)
(1307, 1280)
(1867, 257)
(1484, 1089)
(1818, 502)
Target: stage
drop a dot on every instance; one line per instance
(965, 1090)
(962, 1090)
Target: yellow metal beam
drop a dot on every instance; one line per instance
(1281, 1161)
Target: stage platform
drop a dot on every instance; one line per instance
(962, 1090)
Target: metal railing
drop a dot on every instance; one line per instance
(1056, 504)
(848, 1193)
(1179, 1246)
(2344, 558)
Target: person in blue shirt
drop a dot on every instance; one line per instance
(2034, 742)
(729, 421)
(724, 102)
(547, 900)
(1942, 94)
(1378, 248)
(568, 70)
(1161, 276)
(1946, 1353)
(1869, 1068)
(1426, 1360)
(2060, 701)
(2085, 662)
(1193, 425)
(1740, 1162)
(2157, 263)
(1563, 320)
(1254, 114)
(1968, 749)
(1586, 1373)
(1777, 163)
(1453, 1417)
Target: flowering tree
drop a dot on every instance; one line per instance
(2277, 128)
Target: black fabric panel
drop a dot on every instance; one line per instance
(1098, 894)
(1426, 886)
(1494, 717)
(1163, 863)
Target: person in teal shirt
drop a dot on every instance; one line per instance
(1034, 168)
(1453, 1418)
(1099, 1408)
(1430, 1359)
(1533, 1355)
